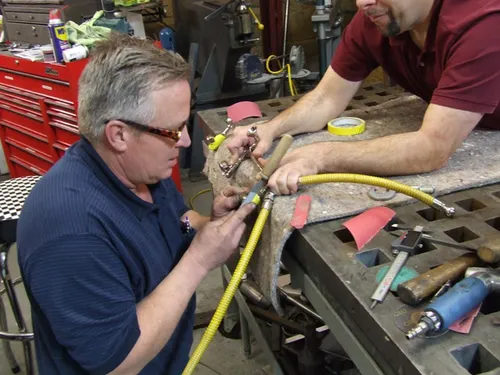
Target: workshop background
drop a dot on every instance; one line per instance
(37, 127)
(225, 355)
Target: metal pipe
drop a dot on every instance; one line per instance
(249, 290)
(245, 335)
(322, 56)
(300, 305)
(287, 15)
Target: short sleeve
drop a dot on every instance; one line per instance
(471, 77)
(83, 290)
(352, 59)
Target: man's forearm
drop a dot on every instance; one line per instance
(313, 111)
(159, 313)
(399, 154)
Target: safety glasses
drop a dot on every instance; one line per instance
(174, 135)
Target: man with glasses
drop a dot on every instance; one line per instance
(109, 261)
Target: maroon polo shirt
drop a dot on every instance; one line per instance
(459, 66)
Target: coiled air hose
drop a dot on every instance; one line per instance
(257, 231)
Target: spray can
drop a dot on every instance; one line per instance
(58, 34)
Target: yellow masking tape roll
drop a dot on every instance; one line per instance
(346, 126)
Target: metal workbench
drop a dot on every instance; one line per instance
(338, 281)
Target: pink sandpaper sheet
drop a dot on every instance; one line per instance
(366, 225)
(242, 110)
(301, 213)
(464, 325)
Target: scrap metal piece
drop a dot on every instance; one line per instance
(383, 194)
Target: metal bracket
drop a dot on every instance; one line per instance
(228, 170)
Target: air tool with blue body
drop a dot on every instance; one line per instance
(457, 302)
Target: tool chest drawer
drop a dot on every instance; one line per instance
(25, 101)
(24, 119)
(36, 13)
(28, 154)
(36, 85)
(20, 168)
(65, 134)
(29, 33)
(15, 134)
(14, 16)
(38, 112)
(59, 114)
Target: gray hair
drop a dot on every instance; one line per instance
(119, 79)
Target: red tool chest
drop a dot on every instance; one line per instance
(38, 113)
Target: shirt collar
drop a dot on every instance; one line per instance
(137, 205)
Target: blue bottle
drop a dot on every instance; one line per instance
(58, 34)
(167, 38)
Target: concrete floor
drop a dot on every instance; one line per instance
(224, 356)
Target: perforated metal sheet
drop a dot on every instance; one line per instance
(347, 278)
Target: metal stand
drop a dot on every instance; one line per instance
(358, 354)
(23, 334)
(328, 32)
(253, 326)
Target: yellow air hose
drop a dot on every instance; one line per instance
(378, 181)
(231, 288)
(291, 85)
(257, 231)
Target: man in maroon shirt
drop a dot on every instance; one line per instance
(445, 51)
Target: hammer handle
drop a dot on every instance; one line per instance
(275, 159)
(490, 251)
(416, 290)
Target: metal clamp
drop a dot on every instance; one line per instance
(230, 126)
(228, 170)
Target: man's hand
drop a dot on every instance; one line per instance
(219, 239)
(303, 161)
(239, 140)
(227, 201)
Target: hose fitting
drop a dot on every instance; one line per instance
(268, 200)
(438, 205)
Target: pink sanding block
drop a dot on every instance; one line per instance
(302, 207)
(243, 110)
(366, 225)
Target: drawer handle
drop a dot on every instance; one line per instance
(32, 17)
(36, 170)
(33, 28)
(10, 78)
(30, 150)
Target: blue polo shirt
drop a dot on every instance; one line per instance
(90, 250)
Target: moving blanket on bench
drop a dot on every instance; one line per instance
(475, 163)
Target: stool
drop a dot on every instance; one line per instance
(13, 193)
